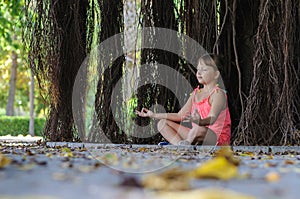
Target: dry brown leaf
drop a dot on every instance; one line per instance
(270, 164)
(173, 179)
(142, 149)
(27, 167)
(4, 161)
(49, 155)
(130, 182)
(289, 162)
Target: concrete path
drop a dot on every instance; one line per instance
(81, 170)
(20, 138)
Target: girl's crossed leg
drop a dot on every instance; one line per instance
(174, 132)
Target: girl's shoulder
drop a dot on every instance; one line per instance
(197, 89)
(218, 89)
(219, 95)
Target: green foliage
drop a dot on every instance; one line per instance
(2, 112)
(131, 107)
(128, 115)
(20, 125)
(12, 23)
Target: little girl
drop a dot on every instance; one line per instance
(206, 108)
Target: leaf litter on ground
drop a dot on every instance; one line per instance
(171, 180)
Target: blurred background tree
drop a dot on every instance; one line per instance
(14, 69)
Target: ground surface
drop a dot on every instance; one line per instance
(72, 170)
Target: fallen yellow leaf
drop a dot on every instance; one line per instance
(65, 150)
(110, 159)
(247, 153)
(208, 193)
(227, 153)
(49, 155)
(272, 177)
(4, 161)
(68, 154)
(217, 168)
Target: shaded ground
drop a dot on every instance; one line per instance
(70, 170)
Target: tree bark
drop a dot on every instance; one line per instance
(269, 117)
(12, 85)
(31, 102)
(247, 22)
(160, 14)
(70, 21)
(111, 25)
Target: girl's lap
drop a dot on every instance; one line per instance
(207, 137)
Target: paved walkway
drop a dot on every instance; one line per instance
(81, 170)
(20, 138)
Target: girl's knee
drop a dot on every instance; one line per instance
(199, 131)
(161, 124)
(197, 134)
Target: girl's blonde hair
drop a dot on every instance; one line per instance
(216, 62)
(212, 60)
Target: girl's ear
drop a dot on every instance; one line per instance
(217, 74)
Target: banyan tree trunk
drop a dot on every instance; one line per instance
(56, 42)
(269, 117)
(200, 21)
(71, 18)
(237, 46)
(246, 23)
(157, 14)
(111, 24)
(297, 64)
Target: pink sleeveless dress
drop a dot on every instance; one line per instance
(222, 126)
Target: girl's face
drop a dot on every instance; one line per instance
(206, 74)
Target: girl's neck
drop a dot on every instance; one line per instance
(209, 87)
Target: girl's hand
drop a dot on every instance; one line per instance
(144, 113)
(187, 117)
(194, 117)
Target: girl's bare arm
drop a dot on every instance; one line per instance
(177, 117)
